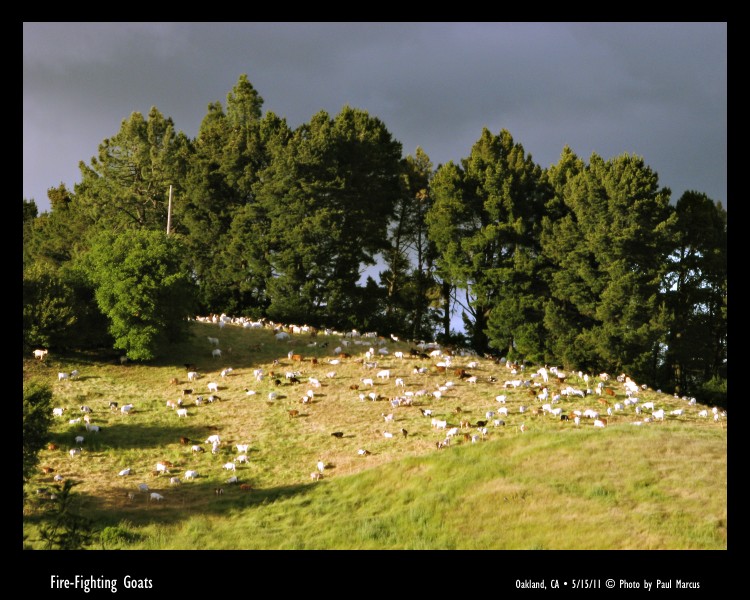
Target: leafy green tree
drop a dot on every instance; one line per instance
(48, 307)
(37, 420)
(141, 287)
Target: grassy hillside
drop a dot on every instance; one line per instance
(554, 485)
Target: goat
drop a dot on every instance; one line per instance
(197, 448)
(191, 474)
(600, 423)
(75, 452)
(124, 472)
(216, 353)
(143, 487)
(230, 466)
(226, 371)
(93, 428)
(155, 496)
(384, 374)
(192, 375)
(40, 354)
(174, 480)
(126, 409)
(213, 386)
(213, 439)
(79, 439)
(58, 412)
(61, 376)
(214, 341)
(658, 414)
(182, 412)
(242, 458)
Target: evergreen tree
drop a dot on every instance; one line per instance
(696, 287)
(485, 222)
(37, 420)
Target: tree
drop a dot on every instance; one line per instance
(127, 184)
(411, 255)
(696, 291)
(609, 251)
(48, 307)
(141, 287)
(37, 420)
(485, 222)
(328, 196)
(66, 529)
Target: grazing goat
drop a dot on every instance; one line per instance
(197, 448)
(124, 472)
(182, 412)
(213, 386)
(191, 474)
(192, 375)
(40, 354)
(58, 412)
(230, 466)
(61, 376)
(216, 353)
(156, 496)
(126, 409)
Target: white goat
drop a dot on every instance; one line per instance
(58, 412)
(40, 354)
(192, 375)
(216, 353)
(182, 412)
(156, 496)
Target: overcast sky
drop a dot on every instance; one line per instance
(657, 90)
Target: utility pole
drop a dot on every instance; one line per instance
(169, 209)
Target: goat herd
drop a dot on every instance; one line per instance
(360, 396)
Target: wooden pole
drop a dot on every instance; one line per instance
(169, 210)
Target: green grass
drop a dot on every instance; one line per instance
(555, 486)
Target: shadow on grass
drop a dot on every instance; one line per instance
(181, 501)
(121, 436)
